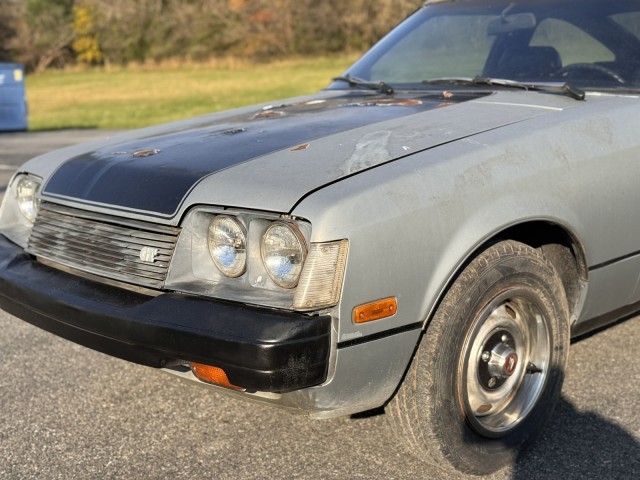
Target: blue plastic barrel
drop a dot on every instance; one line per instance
(13, 102)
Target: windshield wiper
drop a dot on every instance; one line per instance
(378, 86)
(564, 89)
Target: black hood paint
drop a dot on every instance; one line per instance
(155, 174)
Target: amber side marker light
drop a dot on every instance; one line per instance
(213, 375)
(375, 310)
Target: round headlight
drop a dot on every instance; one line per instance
(26, 191)
(283, 252)
(228, 245)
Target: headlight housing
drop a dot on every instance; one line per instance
(283, 251)
(20, 208)
(256, 258)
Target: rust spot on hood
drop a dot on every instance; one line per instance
(145, 153)
(388, 102)
(269, 114)
(301, 147)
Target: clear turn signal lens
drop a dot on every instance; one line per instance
(283, 252)
(321, 281)
(26, 191)
(228, 245)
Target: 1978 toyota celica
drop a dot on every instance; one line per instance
(426, 234)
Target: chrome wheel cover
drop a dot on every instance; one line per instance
(504, 363)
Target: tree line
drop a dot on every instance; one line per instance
(56, 33)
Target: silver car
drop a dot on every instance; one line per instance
(425, 235)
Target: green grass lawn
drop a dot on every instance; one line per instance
(141, 96)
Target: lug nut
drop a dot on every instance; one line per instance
(504, 339)
(492, 382)
(486, 356)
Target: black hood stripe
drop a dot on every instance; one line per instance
(155, 174)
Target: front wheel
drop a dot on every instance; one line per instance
(490, 366)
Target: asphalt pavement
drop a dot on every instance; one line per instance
(67, 412)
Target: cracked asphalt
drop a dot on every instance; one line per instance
(67, 412)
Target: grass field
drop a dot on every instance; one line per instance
(143, 95)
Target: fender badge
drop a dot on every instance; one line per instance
(148, 254)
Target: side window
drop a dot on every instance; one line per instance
(629, 21)
(573, 45)
(425, 54)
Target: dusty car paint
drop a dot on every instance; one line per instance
(483, 155)
(471, 202)
(332, 157)
(116, 175)
(508, 160)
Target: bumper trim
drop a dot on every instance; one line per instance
(260, 349)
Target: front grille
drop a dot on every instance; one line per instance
(103, 245)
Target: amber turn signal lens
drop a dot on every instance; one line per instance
(375, 310)
(214, 375)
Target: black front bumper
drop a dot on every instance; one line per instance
(259, 349)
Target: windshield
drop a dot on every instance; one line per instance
(592, 44)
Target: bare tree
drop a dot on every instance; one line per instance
(10, 14)
(123, 31)
(44, 33)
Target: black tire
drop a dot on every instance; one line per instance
(489, 369)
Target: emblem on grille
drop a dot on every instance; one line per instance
(148, 254)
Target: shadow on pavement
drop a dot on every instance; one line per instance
(581, 445)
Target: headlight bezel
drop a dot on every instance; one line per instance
(192, 270)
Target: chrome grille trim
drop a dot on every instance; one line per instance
(103, 245)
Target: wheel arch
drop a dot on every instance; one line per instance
(558, 243)
(565, 252)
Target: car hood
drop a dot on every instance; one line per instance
(268, 157)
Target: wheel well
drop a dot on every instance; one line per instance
(561, 248)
